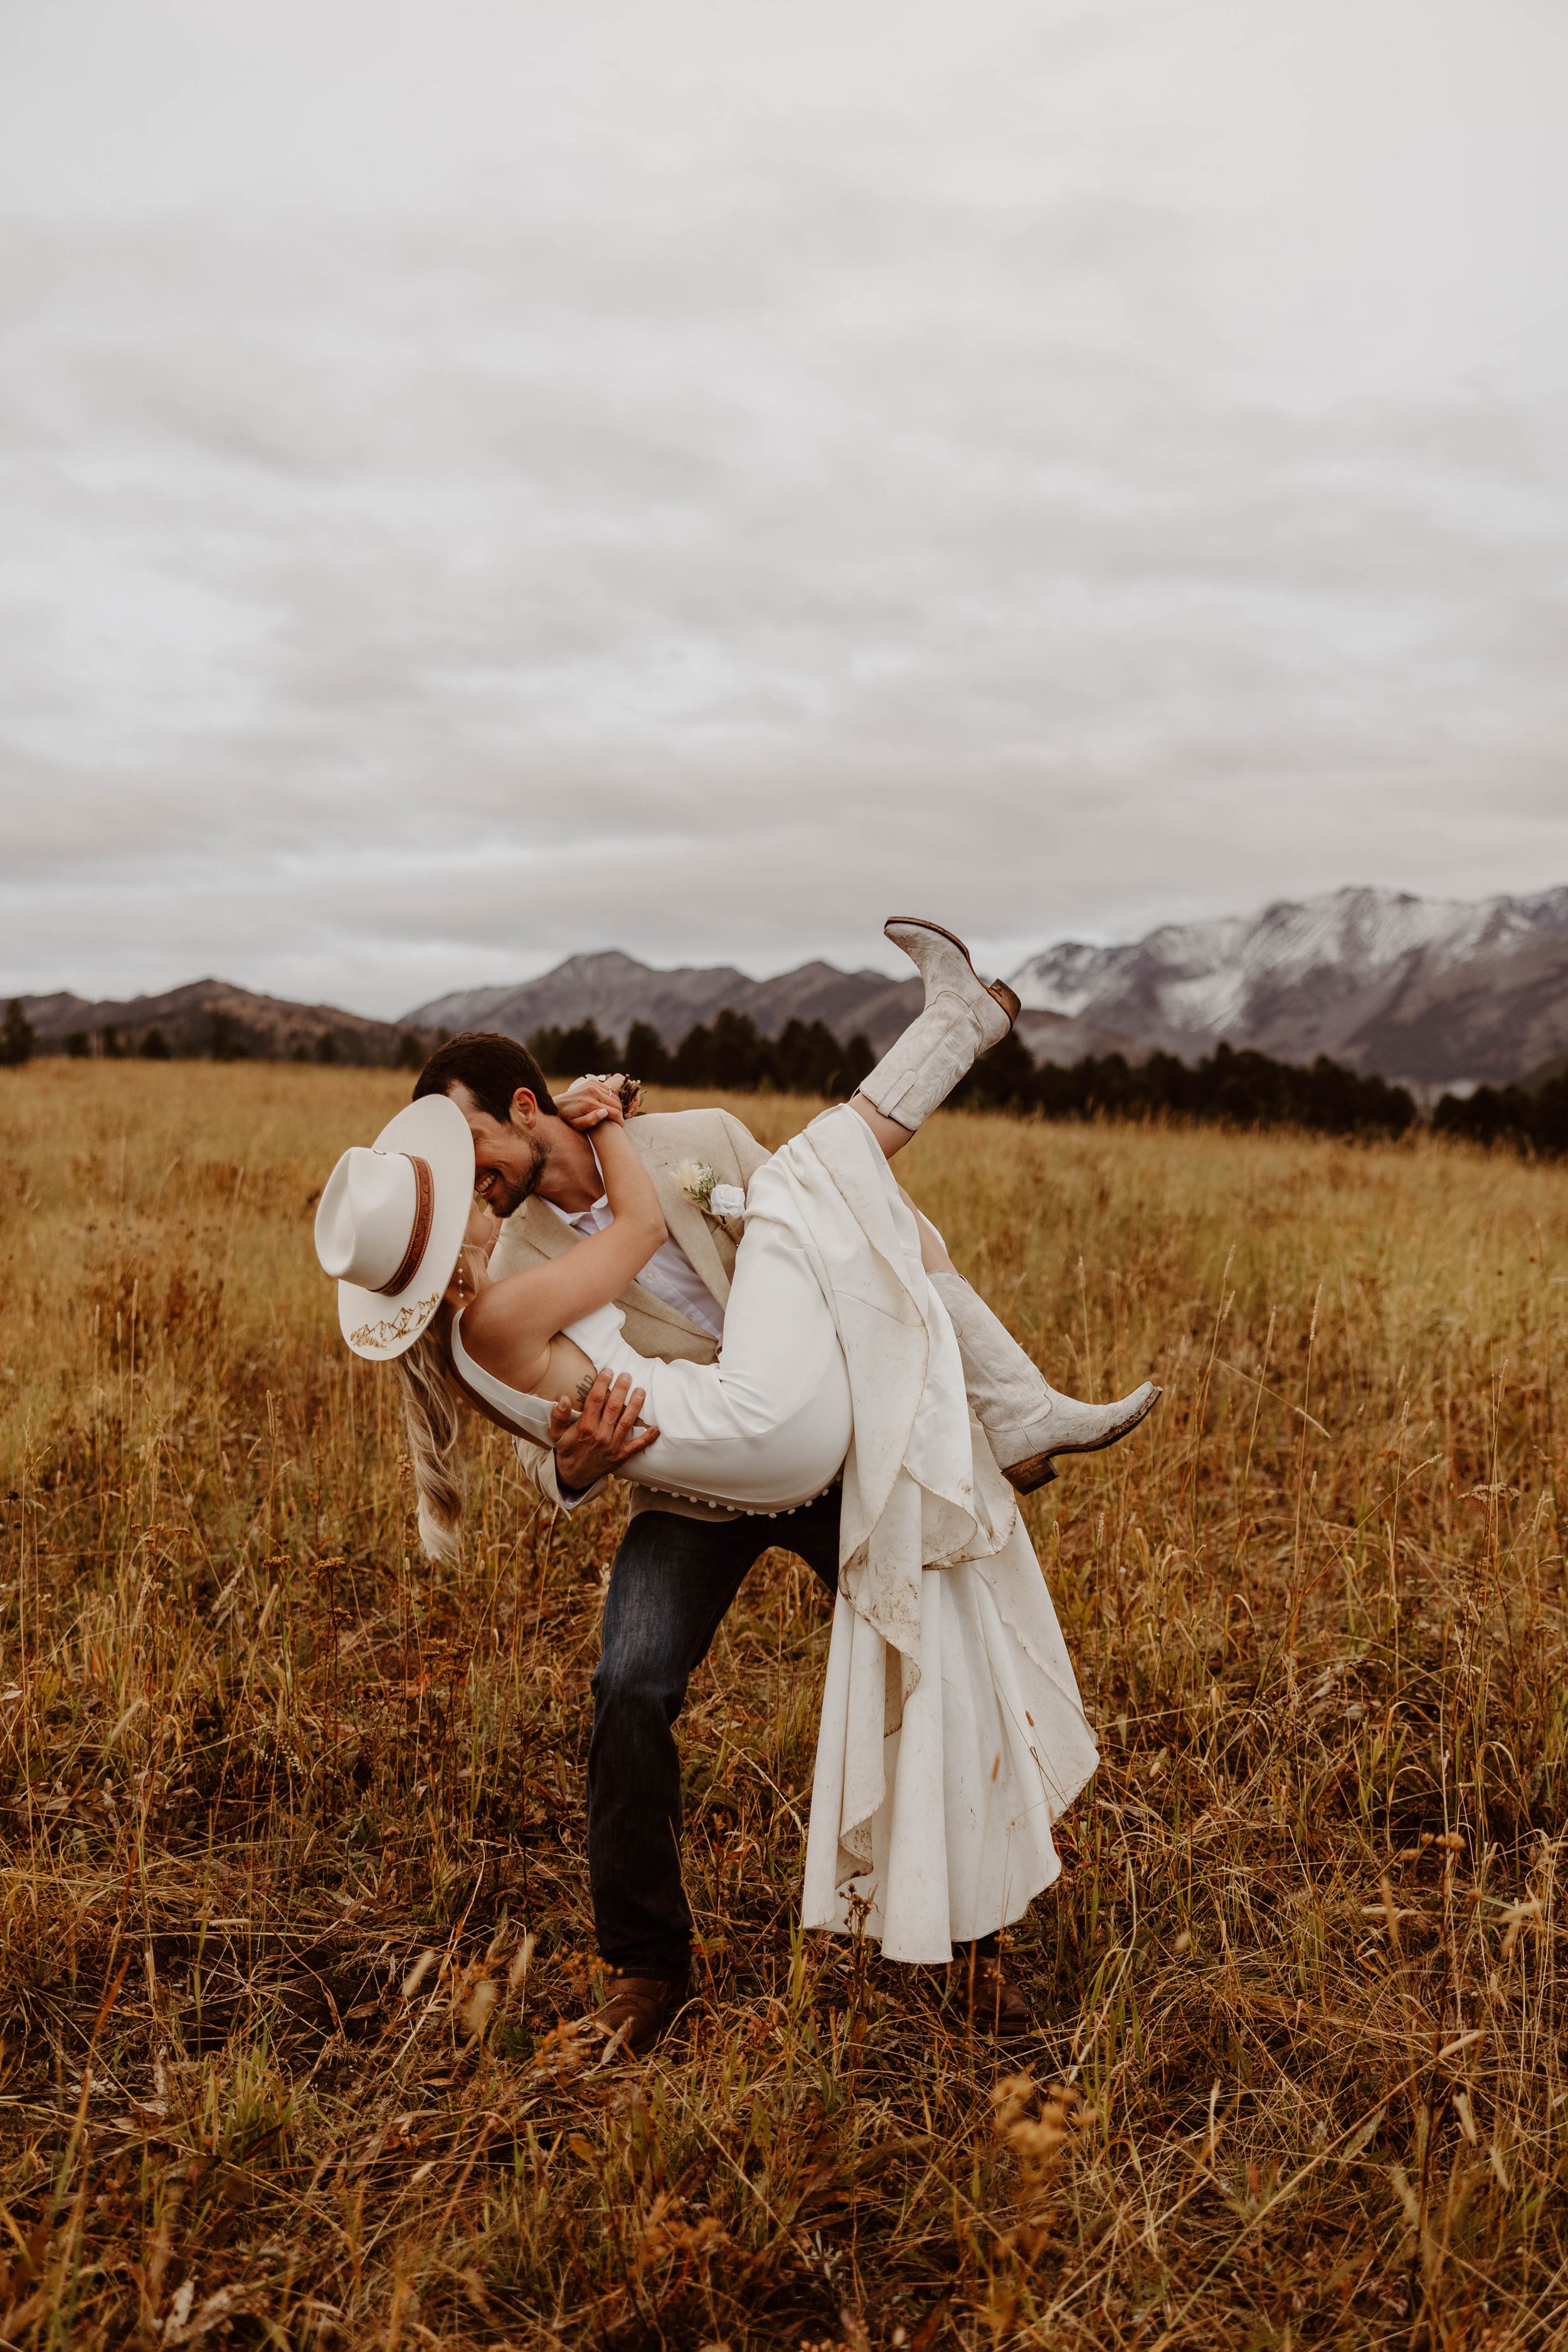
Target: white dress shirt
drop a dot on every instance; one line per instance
(668, 1274)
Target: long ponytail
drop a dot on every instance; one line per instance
(431, 1415)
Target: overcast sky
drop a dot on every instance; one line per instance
(482, 481)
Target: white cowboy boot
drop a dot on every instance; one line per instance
(962, 1019)
(1025, 1419)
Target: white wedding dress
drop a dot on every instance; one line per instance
(951, 1734)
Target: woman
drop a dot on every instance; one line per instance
(951, 1734)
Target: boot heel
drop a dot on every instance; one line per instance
(1030, 1476)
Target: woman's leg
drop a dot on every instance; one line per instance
(933, 1249)
(1025, 1419)
(888, 1133)
(1026, 1422)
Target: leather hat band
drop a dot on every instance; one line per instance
(423, 1210)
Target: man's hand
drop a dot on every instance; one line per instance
(604, 1437)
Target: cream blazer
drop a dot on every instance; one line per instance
(663, 1139)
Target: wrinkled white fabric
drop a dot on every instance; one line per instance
(952, 1733)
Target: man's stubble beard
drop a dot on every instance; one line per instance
(512, 1196)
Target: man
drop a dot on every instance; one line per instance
(679, 1564)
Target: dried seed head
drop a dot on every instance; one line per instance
(417, 1973)
(1520, 1915)
(1410, 2204)
(1010, 2097)
(1390, 1914)
(479, 2007)
(1036, 2140)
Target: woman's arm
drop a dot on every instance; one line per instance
(510, 1324)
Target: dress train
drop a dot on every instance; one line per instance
(951, 1734)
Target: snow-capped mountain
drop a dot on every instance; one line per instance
(1437, 990)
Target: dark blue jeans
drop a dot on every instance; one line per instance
(671, 1584)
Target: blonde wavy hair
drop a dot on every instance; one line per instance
(432, 1416)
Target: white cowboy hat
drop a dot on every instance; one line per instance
(391, 1224)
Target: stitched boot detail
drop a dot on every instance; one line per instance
(962, 1019)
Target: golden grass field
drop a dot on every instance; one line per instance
(293, 1886)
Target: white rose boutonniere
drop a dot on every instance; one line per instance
(701, 1187)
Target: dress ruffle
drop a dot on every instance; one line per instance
(951, 1734)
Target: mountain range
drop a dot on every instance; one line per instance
(209, 1016)
(1434, 992)
(612, 990)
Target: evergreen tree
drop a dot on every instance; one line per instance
(569, 1053)
(647, 1057)
(1513, 1115)
(811, 1061)
(16, 1038)
(856, 1062)
(693, 1061)
(1002, 1079)
(742, 1061)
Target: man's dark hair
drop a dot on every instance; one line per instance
(491, 1066)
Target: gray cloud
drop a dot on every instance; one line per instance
(697, 509)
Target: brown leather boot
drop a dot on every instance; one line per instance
(635, 2010)
(989, 2002)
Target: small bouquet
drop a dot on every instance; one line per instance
(701, 1187)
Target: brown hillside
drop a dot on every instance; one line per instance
(214, 1016)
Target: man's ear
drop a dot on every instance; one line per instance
(525, 1108)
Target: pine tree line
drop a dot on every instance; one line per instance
(1243, 1089)
(1530, 1121)
(730, 1054)
(1227, 1088)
